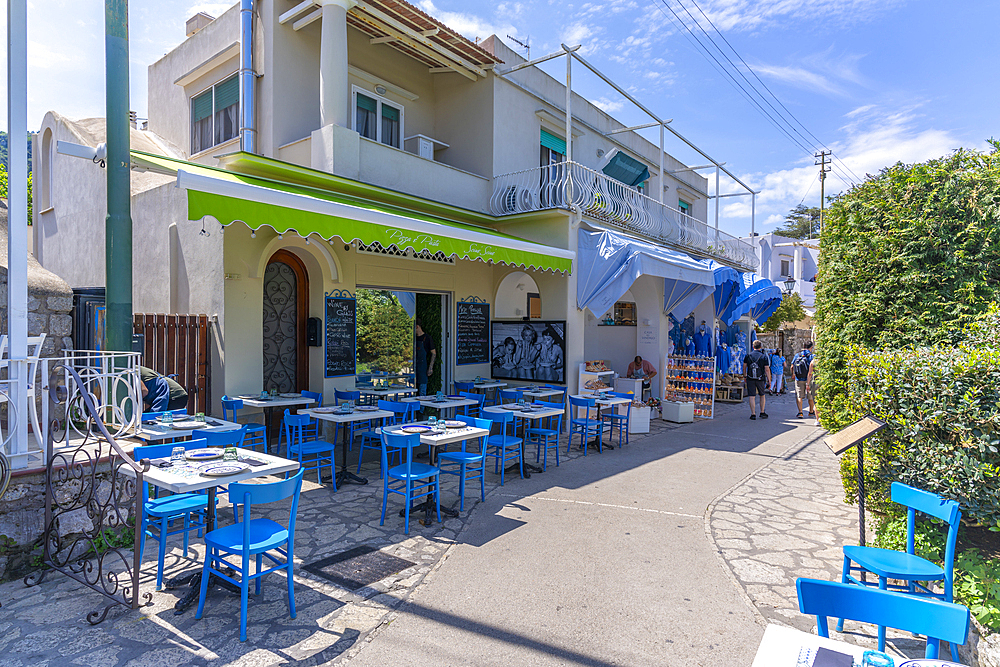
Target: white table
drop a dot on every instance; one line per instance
(385, 393)
(159, 432)
(543, 393)
(537, 413)
(781, 645)
(345, 476)
(448, 404)
(269, 404)
(486, 386)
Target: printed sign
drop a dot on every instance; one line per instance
(472, 341)
(341, 335)
(529, 351)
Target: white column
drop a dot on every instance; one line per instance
(797, 271)
(334, 93)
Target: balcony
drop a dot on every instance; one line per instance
(616, 204)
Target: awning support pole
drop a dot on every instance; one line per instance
(753, 213)
(662, 184)
(569, 124)
(717, 168)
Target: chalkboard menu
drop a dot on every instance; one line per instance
(473, 339)
(341, 334)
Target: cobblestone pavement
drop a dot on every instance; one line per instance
(45, 624)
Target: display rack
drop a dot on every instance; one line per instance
(730, 393)
(692, 379)
(607, 377)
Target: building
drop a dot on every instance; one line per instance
(346, 145)
(781, 258)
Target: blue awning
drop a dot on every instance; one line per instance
(759, 299)
(728, 287)
(609, 263)
(625, 169)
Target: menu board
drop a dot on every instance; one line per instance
(473, 339)
(341, 335)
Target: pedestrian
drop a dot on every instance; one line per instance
(159, 393)
(777, 373)
(758, 373)
(424, 358)
(802, 364)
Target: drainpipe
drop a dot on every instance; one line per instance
(247, 78)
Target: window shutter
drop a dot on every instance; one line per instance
(201, 106)
(227, 93)
(366, 103)
(390, 113)
(553, 143)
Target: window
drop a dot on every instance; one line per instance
(684, 207)
(378, 119)
(214, 115)
(786, 266)
(553, 149)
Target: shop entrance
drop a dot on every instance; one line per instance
(286, 310)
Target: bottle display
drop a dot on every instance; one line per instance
(691, 379)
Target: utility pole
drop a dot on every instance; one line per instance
(118, 224)
(824, 167)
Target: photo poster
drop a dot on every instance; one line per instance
(534, 350)
(472, 342)
(341, 335)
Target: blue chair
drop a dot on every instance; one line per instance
(586, 425)
(158, 513)
(546, 433)
(935, 619)
(252, 539)
(562, 397)
(401, 414)
(299, 444)
(473, 410)
(888, 564)
(511, 395)
(467, 469)
(256, 434)
(619, 421)
(408, 479)
(503, 447)
(464, 386)
(353, 427)
(233, 438)
(151, 416)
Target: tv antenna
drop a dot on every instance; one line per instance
(524, 45)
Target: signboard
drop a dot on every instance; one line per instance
(529, 351)
(341, 334)
(472, 342)
(853, 434)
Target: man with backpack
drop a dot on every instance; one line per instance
(801, 364)
(758, 370)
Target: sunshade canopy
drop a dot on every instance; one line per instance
(609, 263)
(726, 283)
(728, 287)
(286, 207)
(759, 299)
(625, 169)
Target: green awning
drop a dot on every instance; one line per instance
(285, 207)
(625, 169)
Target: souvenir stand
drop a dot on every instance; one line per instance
(691, 379)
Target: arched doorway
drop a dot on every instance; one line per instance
(286, 310)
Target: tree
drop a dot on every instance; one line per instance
(3, 187)
(790, 310)
(802, 222)
(385, 332)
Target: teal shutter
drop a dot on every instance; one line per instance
(390, 113)
(201, 106)
(553, 143)
(366, 103)
(227, 93)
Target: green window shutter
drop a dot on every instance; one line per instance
(390, 113)
(227, 93)
(201, 106)
(366, 103)
(553, 143)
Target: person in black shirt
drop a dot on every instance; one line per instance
(758, 370)
(425, 356)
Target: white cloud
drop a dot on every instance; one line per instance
(748, 15)
(609, 105)
(801, 78)
(213, 9)
(473, 26)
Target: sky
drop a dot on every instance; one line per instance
(875, 81)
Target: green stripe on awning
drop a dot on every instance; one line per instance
(553, 143)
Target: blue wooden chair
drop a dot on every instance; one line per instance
(586, 425)
(464, 386)
(299, 444)
(511, 395)
(409, 479)
(372, 439)
(561, 398)
(503, 447)
(353, 427)
(152, 416)
(470, 465)
(907, 566)
(935, 619)
(256, 434)
(251, 540)
(233, 438)
(158, 513)
(545, 434)
(617, 420)
(473, 410)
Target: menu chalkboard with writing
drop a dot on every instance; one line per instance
(473, 340)
(341, 334)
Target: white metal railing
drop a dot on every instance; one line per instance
(605, 199)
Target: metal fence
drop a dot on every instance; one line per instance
(607, 200)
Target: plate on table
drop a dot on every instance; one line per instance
(416, 428)
(323, 411)
(453, 423)
(367, 408)
(225, 468)
(203, 454)
(187, 425)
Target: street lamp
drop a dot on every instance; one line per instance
(789, 285)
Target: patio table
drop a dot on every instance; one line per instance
(602, 402)
(449, 403)
(155, 431)
(780, 647)
(486, 386)
(534, 413)
(542, 392)
(433, 440)
(269, 404)
(387, 392)
(345, 476)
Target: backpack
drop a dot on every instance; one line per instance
(754, 365)
(800, 364)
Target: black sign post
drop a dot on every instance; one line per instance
(472, 342)
(341, 334)
(855, 435)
